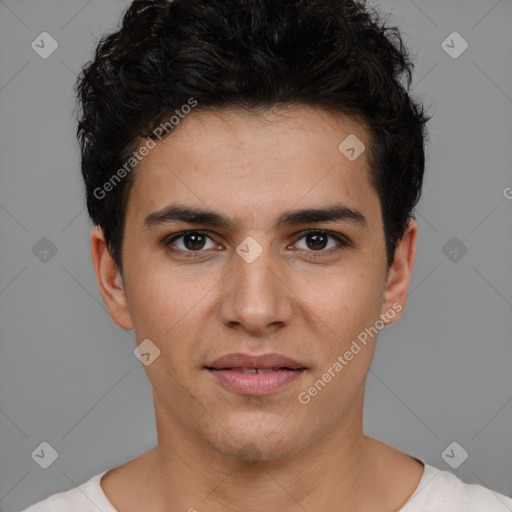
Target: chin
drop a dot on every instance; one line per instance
(252, 447)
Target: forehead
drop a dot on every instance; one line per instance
(254, 165)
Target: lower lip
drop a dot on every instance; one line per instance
(256, 383)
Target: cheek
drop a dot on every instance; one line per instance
(345, 298)
(156, 301)
(173, 310)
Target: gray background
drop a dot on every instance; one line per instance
(68, 375)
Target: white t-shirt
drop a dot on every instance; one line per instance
(438, 491)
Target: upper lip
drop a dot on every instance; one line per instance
(265, 361)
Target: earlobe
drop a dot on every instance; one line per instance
(395, 291)
(109, 280)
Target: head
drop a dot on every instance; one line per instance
(242, 109)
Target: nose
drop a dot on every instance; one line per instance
(256, 297)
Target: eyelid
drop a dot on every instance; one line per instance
(333, 234)
(342, 240)
(167, 241)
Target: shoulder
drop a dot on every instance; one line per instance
(442, 491)
(87, 497)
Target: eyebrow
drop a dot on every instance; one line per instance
(191, 215)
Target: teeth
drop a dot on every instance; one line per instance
(254, 370)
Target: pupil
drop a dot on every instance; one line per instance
(195, 244)
(319, 241)
(194, 241)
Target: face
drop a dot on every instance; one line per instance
(288, 259)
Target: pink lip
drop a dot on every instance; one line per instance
(240, 360)
(228, 370)
(256, 383)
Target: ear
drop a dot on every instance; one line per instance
(109, 280)
(399, 274)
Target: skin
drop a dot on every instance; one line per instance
(217, 449)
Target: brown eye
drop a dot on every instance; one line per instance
(190, 241)
(317, 241)
(193, 241)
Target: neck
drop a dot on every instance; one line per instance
(338, 468)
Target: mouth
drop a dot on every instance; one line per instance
(256, 370)
(255, 375)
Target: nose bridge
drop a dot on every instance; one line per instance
(255, 297)
(255, 277)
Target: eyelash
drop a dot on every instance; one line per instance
(342, 241)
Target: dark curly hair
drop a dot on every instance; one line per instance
(337, 55)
